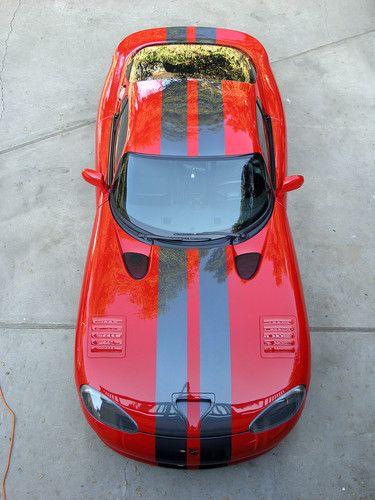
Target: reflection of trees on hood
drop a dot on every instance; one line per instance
(174, 123)
(278, 247)
(209, 62)
(215, 262)
(144, 118)
(210, 98)
(172, 275)
(167, 277)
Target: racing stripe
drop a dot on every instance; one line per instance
(215, 368)
(176, 34)
(205, 35)
(171, 356)
(174, 118)
(210, 119)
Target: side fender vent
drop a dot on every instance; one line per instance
(106, 337)
(247, 265)
(278, 337)
(136, 264)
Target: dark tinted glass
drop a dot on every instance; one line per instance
(166, 195)
(262, 133)
(122, 128)
(198, 61)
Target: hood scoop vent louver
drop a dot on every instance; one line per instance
(203, 401)
(278, 336)
(106, 337)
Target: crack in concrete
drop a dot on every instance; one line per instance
(11, 26)
(335, 42)
(48, 136)
(36, 326)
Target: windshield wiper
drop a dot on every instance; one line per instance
(181, 237)
(207, 235)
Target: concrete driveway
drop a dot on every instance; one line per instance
(54, 56)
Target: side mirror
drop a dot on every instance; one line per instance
(95, 178)
(291, 183)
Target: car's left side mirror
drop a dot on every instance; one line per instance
(95, 178)
(291, 183)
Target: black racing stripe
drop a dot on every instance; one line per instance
(171, 355)
(171, 451)
(215, 451)
(174, 118)
(205, 35)
(215, 367)
(210, 119)
(176, 34)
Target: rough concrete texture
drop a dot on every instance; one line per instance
(53, 60)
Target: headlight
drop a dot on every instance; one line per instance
(106, 411)
(280, 411)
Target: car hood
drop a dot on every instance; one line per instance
(192, 344)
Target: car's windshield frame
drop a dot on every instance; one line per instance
(192, 239)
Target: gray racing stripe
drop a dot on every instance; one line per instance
(210, 119)
(215, 367)
(205, 35)
(176, 34)
(174, 118)
(171, 355)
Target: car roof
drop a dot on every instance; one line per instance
(192, 117)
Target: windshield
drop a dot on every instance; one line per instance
(168, 196)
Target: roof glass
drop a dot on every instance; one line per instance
(182, 61)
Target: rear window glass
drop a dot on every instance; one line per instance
(206, 62)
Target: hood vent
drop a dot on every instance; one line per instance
(278, 337)
(136, 264)
(247, 265)
(106, 337)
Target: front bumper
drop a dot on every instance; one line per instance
(193, 452)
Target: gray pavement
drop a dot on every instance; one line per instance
(53, 61)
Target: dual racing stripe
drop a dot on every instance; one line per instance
(192, 118)
(190, 34)
(193, 334)
(192, 111)
(193, 358)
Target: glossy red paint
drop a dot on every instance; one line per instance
(192, 118)
(109, 291)
(145, 116)
(240, 124)
(292, 182)
(193, 355)
(145, 108)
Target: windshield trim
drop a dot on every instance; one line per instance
(182, 239)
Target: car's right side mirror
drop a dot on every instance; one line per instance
(291, 183)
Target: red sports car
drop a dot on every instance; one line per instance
(192, 344)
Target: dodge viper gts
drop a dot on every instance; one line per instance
(192, 343)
